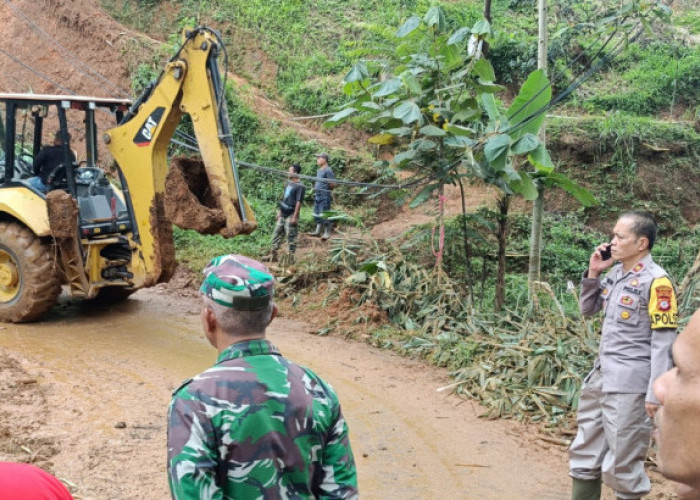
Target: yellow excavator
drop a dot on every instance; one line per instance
(106, 239)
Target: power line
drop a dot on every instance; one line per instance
(38, 73)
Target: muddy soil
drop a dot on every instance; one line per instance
(85, 395)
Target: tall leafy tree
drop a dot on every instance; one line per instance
(434, 100)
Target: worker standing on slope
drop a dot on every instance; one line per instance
(323, 196)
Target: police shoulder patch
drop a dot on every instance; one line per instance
(663, 308)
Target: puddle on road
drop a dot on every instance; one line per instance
(138, 329)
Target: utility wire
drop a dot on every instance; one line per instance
(38, 73)
(64, 50)
(577, 82)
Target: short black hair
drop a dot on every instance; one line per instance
(297, 168)
(59, 136)
(644, 225)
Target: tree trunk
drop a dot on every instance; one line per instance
(487, 16)
(503, 205)
(534, 266)
(535, 263)
(441, 230)
(465, 235)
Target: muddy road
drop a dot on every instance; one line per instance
(106, 374)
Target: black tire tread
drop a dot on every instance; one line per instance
(40, 286)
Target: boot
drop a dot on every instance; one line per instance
(586, 490)
(317, 231)
(326, 231)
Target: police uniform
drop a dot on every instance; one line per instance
(639, 327)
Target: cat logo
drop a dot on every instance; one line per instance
(145, 134)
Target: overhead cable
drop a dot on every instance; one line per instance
(38, 73)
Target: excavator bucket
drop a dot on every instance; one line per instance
(192, 203)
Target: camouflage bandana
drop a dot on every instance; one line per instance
(238, 282)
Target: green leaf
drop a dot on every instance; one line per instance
(459, 142)
(432, 131)
(481, 28)
(404, 156)
(388, 87)
(371, 105)
(496, 146)
(484, 70)
(412, 83)
(341, 115)
(466, 115)
(400, 131)
(435, 18)
(540, 159)
(525, 187)
(581, 194)
(489, 103)
(459, 130)
(411, 23)
(357, 73)
(369, 267)
(459, 36)
(525, 144)
(408, 112)
(381, 139)
(487, 87)
(499, 163)
(423, 195)
(535, 93)
(423, 145)
(452, 56)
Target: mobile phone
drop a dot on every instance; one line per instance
(606, 253)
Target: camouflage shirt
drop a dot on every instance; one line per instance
(256, 425)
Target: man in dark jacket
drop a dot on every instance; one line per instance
(46, 162)
(288, 215)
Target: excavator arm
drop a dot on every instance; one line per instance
(190, 84)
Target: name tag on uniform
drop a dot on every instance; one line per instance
(636, 291)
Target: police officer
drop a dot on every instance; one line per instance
(255, 425)
(617, 402)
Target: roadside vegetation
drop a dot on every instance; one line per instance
(629, 137)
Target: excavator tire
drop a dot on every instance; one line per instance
(29, 284)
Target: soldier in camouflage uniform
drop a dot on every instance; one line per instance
(255, 425)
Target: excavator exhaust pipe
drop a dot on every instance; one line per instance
(192, 203)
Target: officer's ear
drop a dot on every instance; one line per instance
(208, 319)
(643, 243)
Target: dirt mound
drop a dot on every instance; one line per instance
(189, 201)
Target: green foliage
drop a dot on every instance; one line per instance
(657, 78)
